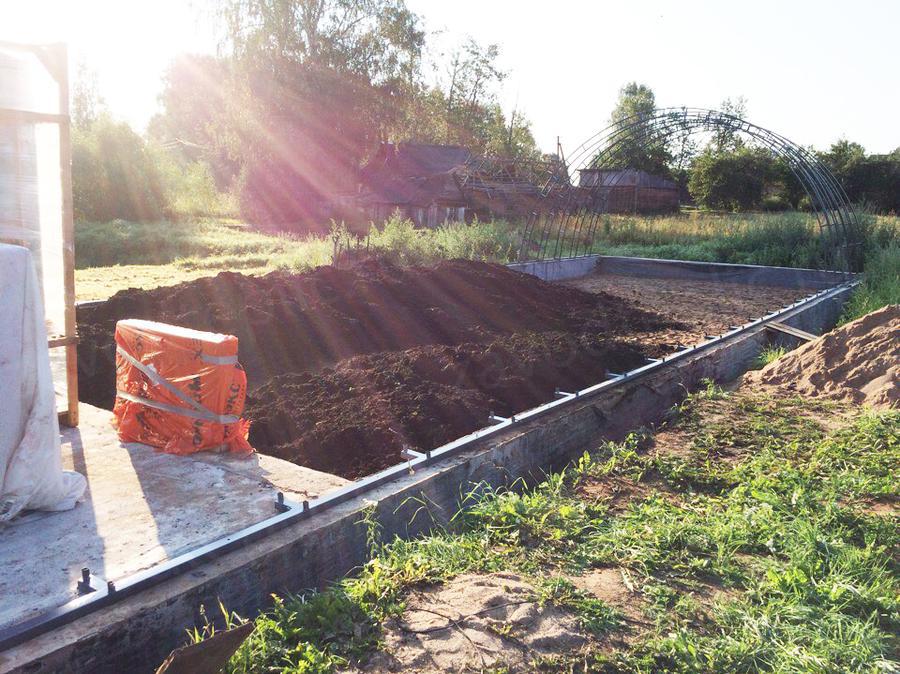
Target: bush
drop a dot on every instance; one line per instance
(775, 203)
(189, 186)
(114, 176)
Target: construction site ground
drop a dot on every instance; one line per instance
(346, 367)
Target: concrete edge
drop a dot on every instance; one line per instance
(724, 272)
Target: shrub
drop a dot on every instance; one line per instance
(114, 176)
(189, 186)
(775, 203)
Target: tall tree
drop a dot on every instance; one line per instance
(87, 103)
(843, 157)
(635, 142)
(315, 84)
(726, 138)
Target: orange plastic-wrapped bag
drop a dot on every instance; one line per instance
(178, 389)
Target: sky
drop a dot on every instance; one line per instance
(813, 71)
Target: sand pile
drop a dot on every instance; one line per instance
(859, 362)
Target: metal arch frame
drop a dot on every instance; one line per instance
(574, 213)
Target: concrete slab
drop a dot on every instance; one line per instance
(142, 508)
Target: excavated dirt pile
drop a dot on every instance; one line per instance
(859, 362)
(345, 366)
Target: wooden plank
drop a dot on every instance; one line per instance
(60, 56)
(777, 326)
(208, 656)
(62, 340)
(8, 116)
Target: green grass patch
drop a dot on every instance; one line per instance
(754, 547)
(768, 355)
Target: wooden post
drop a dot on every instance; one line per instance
(59, 54)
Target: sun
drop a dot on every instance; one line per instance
(126, 44)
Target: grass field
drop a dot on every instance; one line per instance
(117, 255)
(752, 535)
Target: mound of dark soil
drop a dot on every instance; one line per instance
(347, 365)
(355, 419)
(303, 322)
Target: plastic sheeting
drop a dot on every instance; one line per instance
(31, 474)
(30, 175)
(178, 389)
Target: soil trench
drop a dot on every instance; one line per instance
(345, 367)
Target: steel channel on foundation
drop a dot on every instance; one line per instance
(106, 594)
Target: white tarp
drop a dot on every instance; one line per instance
(31, 474)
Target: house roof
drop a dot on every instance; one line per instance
(414, 174)
(593, 177)
(409, 160)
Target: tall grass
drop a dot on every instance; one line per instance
(788, 239)
(881, 283)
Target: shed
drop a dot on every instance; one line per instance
(416, 179)
(628, 191)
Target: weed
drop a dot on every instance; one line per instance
(768, 355)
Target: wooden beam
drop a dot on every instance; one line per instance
(60, 57)
(802, 335)
(62, 340)
(10, 116)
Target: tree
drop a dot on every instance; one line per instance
(197, 98)
(870, 179)
(87, 103)
(635, 143)
(313, 86)
(463, 108)
(307, 89)
(733, 181)
(113, 175)
(843, 157)
(726, 138)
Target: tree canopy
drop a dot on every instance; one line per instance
(306, 89)
(635, 144)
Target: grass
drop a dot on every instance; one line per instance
(881, 285)
(754, 546)
(768, 355)
(116, 255)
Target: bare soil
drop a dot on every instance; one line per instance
(700, 307)
(347, 366)
(476, 623)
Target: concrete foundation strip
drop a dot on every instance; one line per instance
(289, 512)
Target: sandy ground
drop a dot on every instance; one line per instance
(705, 307)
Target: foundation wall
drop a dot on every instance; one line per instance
(137, 633)
(573, 267)
(746, 274)
(558, 270)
